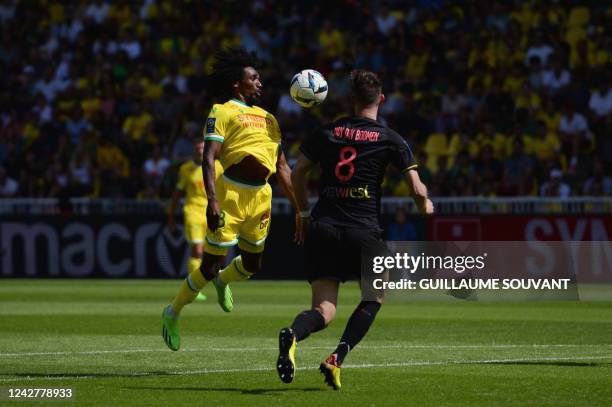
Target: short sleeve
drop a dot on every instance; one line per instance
(311, 146)
(276, 135)
(216, 124)
(402, 156)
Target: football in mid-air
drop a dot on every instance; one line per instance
(308, 88)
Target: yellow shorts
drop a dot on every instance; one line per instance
(194, 224)
(245, 217)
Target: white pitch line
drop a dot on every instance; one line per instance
(257, 349)
(268, 369)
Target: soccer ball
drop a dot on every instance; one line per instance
(308, 88)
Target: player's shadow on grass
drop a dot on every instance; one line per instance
(256, 392)
(150, 374)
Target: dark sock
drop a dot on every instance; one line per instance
(356, 328)
(307, 322)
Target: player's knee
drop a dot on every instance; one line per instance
(252, 263)
(210, 266)
(197, 251)
(327, 310)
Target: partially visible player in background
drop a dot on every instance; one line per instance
(353, 154)
(247, 141)
(191, 185)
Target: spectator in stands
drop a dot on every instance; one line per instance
(599, 184)
(452, 103)
(8, 186)
(138, 72)
(81, 173)
(600, 101)
(43, 110)
(441, 178)
(536, 72)
(138, 127)
(176, 79)
(113, 168)
(385, 21)
(556, 78)
(58, 179)
(156, 166)
(546, 144)
(573, 129)
(77, 125)
(400, 229)
(129, 44)
(487, 171)
(549, 115)
(49, 85)
(31, 175)
(555, 187)
(539, 49)
(461, 166)
(97, 11)
(182, 149)
(168, 110)
(518, 169)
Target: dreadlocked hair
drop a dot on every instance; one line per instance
(228, 68)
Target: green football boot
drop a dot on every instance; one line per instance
(170, 330)
(224, 296)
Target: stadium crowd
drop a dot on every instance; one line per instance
(497, 98)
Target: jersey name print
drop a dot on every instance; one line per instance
(354, 154)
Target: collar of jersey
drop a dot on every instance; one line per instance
(239, 102)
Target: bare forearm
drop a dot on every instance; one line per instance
(298, 180)
(208, 169)
(420, 200)
(418, 192)
(284, 179)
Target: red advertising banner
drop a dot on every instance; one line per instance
(520, 227)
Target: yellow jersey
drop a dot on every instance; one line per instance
(244, 130)
(191, 182)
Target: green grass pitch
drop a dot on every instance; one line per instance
(103, 339)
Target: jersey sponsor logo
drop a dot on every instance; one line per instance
(253, 121)
(264, 221)
(346, 192)
(346, 133)
(210, 125)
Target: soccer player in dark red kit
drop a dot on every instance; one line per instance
(353, 154)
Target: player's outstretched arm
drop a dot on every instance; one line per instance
(298, 179)
(213, 211)
(283, 173)
(418, 192)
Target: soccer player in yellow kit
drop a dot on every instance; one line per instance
(247, 141)
(191, 185)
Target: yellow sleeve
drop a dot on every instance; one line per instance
(182, 179)
(216, 124)
(277, 137)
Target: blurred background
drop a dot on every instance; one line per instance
(506, 104)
